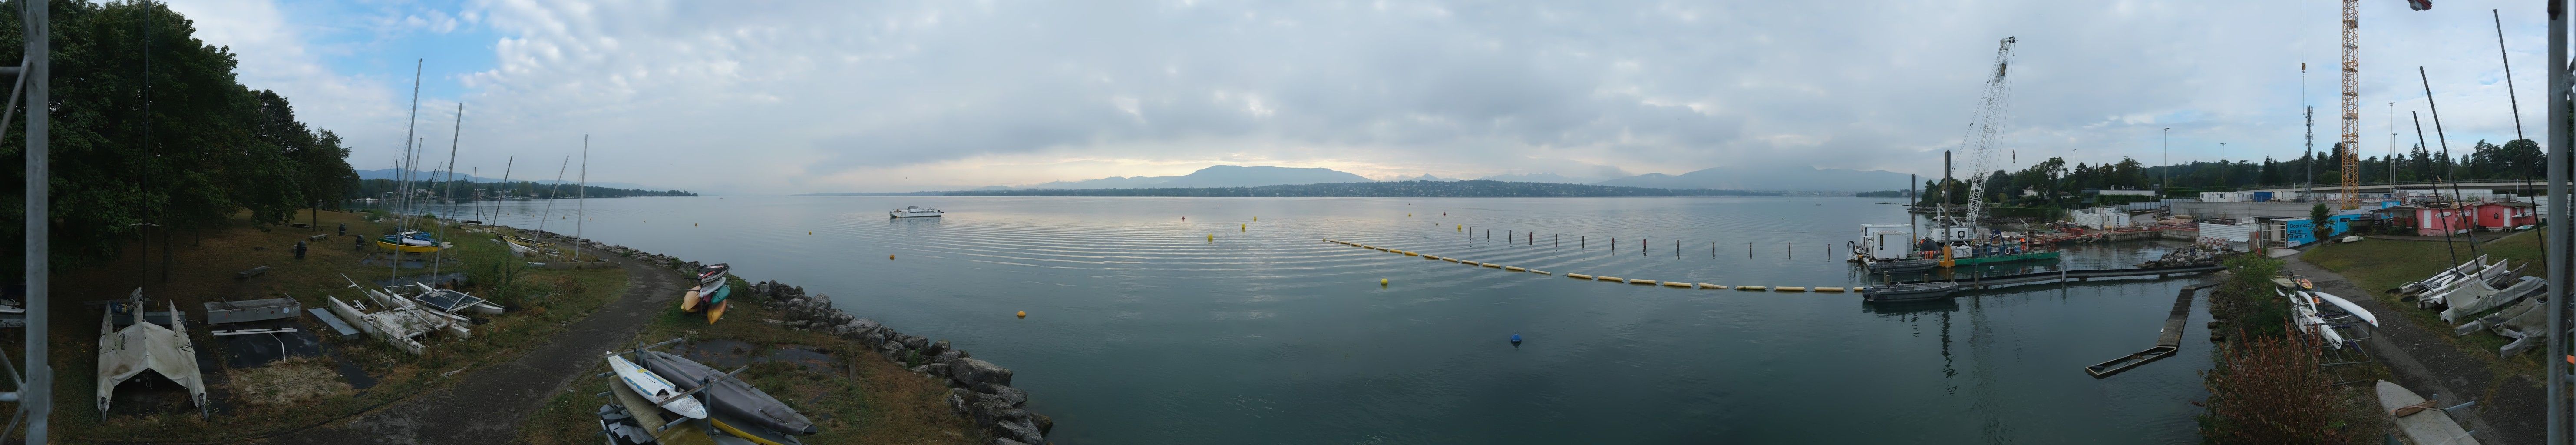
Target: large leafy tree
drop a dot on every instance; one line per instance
(150, 125)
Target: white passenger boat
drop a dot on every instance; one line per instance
(914, 212)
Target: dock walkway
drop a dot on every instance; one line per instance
(2168, 341)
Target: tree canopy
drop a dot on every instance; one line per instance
(150, 125)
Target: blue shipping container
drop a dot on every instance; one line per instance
(2262, 196)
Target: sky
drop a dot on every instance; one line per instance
(787, 96)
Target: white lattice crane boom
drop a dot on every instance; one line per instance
(1987, 122)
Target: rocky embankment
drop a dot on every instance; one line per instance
(978, 390)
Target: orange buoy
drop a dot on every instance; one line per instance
(1024, 314)
(889, 257)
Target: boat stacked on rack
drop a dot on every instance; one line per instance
(709, 295)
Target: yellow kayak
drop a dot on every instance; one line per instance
(689, 301)
(716, 312)
(406, 248)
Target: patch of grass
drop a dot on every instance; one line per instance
(287, 383)
(2380, 266)
(285, 396)
(864, 399)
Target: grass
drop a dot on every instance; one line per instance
(259, 401)
(864, 399)
(2382, 265)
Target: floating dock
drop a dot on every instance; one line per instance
(1986, 282)
(2168, 341)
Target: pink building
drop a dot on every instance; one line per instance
(2505, 215)
(2432, 219)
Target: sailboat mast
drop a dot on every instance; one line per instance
(581, 205)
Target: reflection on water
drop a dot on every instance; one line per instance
(1143, 330)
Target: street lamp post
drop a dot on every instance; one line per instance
(2168, 158)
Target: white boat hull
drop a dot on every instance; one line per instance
(903, 214)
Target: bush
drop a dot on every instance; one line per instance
(2250, 302)
(2268, 390)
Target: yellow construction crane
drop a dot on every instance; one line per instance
(2351, 151)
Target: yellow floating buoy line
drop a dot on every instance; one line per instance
(1690, 285)
(1437, 257)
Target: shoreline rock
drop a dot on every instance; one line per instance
(979, 391)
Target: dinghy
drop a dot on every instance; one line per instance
(730, 398)
(655, 388)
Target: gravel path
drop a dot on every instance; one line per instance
(486, 406)
(2423, 361)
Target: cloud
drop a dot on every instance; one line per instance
(797, 96)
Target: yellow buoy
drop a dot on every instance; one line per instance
(1381, 281)
(1246, 228)
(1211, 237)
(809, 232)
(889, 257)
(1024, 314)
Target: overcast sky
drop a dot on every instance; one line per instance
(792, 97)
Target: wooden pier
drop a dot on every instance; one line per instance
(2168, 341)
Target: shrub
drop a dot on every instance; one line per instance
(2268, 390)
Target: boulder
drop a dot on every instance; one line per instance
(968, 372)
(875, 338)
(1013, 396)
(991, 413)
(916, 342)
(866, 325)
(947, 356)
(941, 371)
(1005, 441)
(958, 398)
(1045, 424)
(1018, 429)
(924, 369)
(935, 348)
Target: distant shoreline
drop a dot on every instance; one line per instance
(1391, 189)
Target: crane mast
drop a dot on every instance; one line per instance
(1987, 123)
(2351, 149)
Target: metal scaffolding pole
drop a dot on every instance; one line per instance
(2559, 219)
(35, 393)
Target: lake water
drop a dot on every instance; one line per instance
(1142, 331)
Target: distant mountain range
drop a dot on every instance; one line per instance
(1715, 178)
(1214, 176)
(1477, 188)
(417, 175)
(1781, 179)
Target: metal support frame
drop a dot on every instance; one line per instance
(35, 390)
(2556, 250)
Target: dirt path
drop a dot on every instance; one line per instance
(485, 407)
(2430, 365)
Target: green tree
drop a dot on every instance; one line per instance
(2318, 219)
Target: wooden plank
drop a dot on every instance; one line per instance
(255, 331)
(336, 325)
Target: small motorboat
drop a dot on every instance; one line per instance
(656, 389)
(1902, 266)
(914, 212)
(1909, 291)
